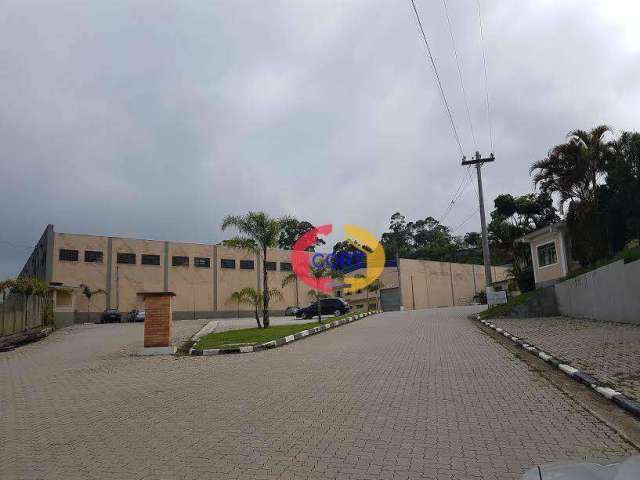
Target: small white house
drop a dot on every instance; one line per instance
(550, 251)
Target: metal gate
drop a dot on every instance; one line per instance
(390, 299)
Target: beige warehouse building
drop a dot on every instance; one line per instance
(203, 277)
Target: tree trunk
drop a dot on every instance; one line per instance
(24, 314)
(4, 306)
(238, 310)
(265, 290)
(257, 316)
(318, 300)
(366, 300)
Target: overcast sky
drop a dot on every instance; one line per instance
(155, 119)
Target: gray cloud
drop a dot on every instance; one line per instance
(156, 119)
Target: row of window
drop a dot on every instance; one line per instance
(91, 256)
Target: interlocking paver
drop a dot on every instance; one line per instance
(610, 351)
(401, 395)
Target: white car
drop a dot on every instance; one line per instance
(136, 316)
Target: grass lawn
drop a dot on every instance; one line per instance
(256, 336)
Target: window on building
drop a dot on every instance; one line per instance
(147, 259)
(246, 264)
(285, 267)
(270, 265)
(547, 254)
(202, 262)
(92, 256)
(227, 263)
(68, 255)
(179, 261)
(127, 258)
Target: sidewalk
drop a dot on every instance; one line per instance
(608, 351)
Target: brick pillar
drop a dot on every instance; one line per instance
(157, 322)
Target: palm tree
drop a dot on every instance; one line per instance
(237, 298)
(253, 297)
(5, 286)
(88, 293)
(574, 169)
(28, 287)
(258, 232)
(374, 286)
(316, 273)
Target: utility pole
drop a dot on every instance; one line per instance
(478, 161)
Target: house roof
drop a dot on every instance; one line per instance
(555, 227)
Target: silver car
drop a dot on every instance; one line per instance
(620, 469)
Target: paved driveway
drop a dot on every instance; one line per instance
(400, 395)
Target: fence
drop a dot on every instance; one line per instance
(18, 315)
(608, 293)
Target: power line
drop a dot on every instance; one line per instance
(16, 246)
(486, 77)
(435, 71)
(467, 219)
(464, 183)
(459, 67)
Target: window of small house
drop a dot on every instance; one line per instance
(547, 254)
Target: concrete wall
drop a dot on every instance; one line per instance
(427, 284)
(609, 293)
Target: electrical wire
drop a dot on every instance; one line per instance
(464, 183)
(459, 67)
(467, 219)
(486, 76)
(438, 81)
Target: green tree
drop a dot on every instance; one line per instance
(28, 287)
(574, 169)
(374, 287)
(88, 293)
(254, 297)
(236, 297)
(316, 273)
(292, 229)
(621, 195)
(257, 232)
(5, 286)
(576, 172)
(513, 217)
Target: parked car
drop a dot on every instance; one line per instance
(291, 311)
(110, 315)
(617, 469)
(328, 306)
(136, 315)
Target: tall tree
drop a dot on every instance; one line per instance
(621, 195)
(88, 293)
(257, 232)
(5, 286)
(292, 229)
(574, 169)
(513, 217)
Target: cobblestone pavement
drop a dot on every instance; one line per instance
(609, 351)
(401, 395)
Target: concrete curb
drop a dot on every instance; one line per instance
(629, 404)
(283, 340)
